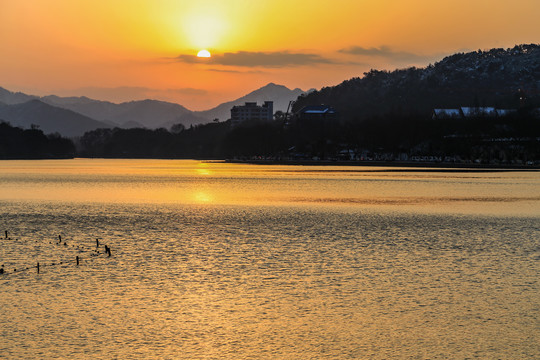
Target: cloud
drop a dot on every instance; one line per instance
(185, 91)
(139, 91)
(386, 52)
(231, 71)
(258, 59)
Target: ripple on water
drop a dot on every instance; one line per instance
(252, 282)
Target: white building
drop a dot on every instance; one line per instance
(471, 112)
(252, 111)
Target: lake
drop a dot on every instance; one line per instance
(211, 260)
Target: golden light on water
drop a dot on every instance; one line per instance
(203, 169)
(193, 182)
(202, 197)
(255, 261)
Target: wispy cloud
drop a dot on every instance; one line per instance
(186, 91)
(386, 52)
(139, 91)
(232, 71)
(258, 59)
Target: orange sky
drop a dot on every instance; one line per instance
(123, 50)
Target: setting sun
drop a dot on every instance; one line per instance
(152, 49)
(204, 54)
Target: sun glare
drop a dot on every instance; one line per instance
(204, 30)
(204, 54)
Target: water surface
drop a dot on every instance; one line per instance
(214, 261)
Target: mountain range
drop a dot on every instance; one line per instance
(72, 116)
(49, 119)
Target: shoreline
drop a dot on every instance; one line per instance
(411, 165)
(398, 165)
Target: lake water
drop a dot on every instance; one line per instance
(236, 261)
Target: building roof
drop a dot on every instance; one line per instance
(253, 104)
(317, 109)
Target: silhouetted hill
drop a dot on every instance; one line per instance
(49, 119)
(279, 94)
(148, 113)
(480, 78)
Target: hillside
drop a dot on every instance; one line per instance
(49, 119)
(10, 98)
(146, 113)
(479, 78)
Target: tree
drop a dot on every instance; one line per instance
(279, 115)
(177, 128)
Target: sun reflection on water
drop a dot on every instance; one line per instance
(202, 197)
(218, 183)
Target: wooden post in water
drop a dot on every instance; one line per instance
(97, 243)
(37, 268)
(6, 234)
(59, 238)
(77, 259)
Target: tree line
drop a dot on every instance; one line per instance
(17, 143)
(509, 139)
(504, 139)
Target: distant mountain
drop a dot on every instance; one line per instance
(279, 94)
(145, 113)
(153, 113)
(49, 119)
(497, 77)
(10, 98)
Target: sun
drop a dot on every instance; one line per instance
(204, 54)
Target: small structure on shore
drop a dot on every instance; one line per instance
(61, 254)
(314, 112)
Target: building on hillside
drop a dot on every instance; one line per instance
(470, 112)
(478, 111)
(506, 112)
(317, 112)
(446, 114)
(252, 111)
